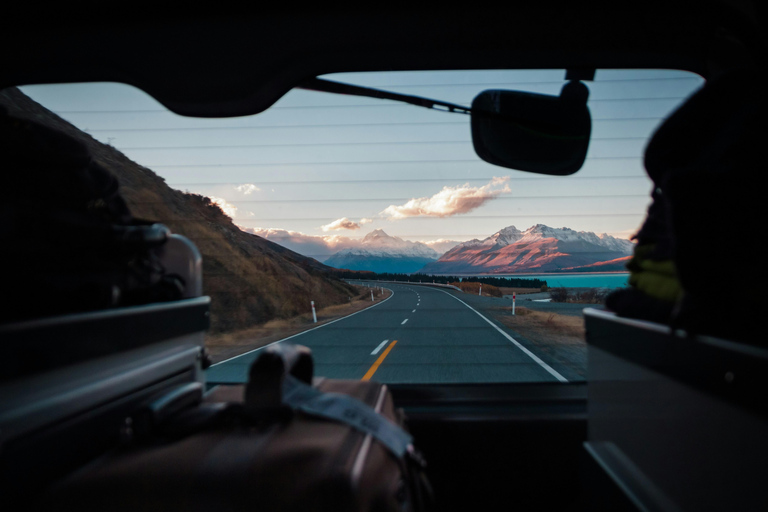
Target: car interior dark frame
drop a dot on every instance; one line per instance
(532, 446)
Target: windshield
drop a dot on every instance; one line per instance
(409, 259)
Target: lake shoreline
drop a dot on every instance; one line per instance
(536, 274)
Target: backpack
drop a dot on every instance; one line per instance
(70, 243)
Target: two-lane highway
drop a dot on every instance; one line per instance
(419, 334)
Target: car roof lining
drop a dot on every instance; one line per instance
(235, 64)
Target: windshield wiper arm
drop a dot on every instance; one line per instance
(322, 85)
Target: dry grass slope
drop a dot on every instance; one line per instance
(561, 337)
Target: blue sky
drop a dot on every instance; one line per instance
(316, 159)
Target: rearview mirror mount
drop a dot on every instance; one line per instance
(533, 132)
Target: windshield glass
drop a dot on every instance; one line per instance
(409, 259)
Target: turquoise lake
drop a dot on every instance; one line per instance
(618, 280)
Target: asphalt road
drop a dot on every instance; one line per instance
(418, 335)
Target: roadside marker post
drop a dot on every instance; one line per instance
(513, 303)
(371, 294)
(481, 290)
(314, 315)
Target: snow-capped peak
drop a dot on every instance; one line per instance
(506, 236)
(377, 242)
(511, 235)
(376, 233)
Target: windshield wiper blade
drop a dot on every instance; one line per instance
(322, 85)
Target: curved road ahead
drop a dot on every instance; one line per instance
(418, 335)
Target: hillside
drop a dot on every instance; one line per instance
(250, 280)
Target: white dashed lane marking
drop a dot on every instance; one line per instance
(381, 346)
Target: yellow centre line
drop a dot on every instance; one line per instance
(375, 366)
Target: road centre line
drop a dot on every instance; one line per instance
(378, 362)
(308, 330)
(530, 354)
(381, 345)
(403, 322)
(413, 311)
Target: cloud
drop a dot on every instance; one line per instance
(321, 247)
(339, 224)
(226, 207)
(247, 188)
(449, 201)
(363, 222)
(314, 246)
(230, 210)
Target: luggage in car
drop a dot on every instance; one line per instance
(65, 224)
(275, 444)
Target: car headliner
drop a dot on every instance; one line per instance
(229, 63)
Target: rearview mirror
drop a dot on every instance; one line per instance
(533, 132)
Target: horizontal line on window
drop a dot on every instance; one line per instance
(328, 144)
(322, 144)
(562, 82)
(389, 199)
(510, 216)
(330, 125)
(277, 127)
(373, 162)
(342, 106)
(512, 179)
(442, 236)
(414, 180)
(351, 236)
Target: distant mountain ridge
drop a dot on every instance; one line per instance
(380, 252)
(539, 248)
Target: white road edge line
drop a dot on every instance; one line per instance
(308, 330)
(381, 346)
(513, 340)
(403, 322)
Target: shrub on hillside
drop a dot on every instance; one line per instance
(473, 287)
(559, 294)
(588, 296)
(591, 296)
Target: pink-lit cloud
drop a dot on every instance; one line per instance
(340, 224)
(449, 201)
(314, 246)
(228, 208)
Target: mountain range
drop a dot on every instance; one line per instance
(380, 252)
(539, 248)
